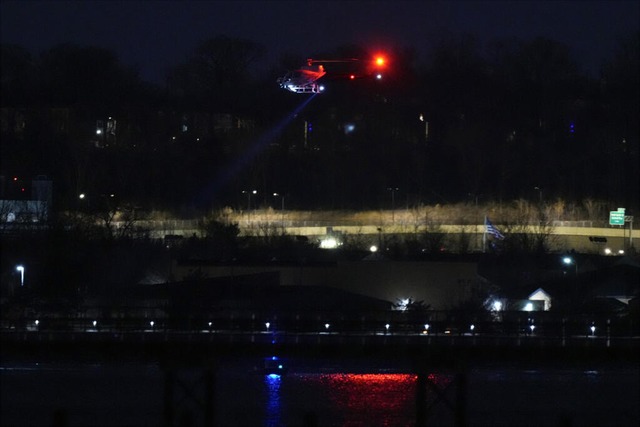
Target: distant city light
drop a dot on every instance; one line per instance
(497, 305)
(373, 248)
(607, 251)
(593, 329)
(326, 326)
(94, 323)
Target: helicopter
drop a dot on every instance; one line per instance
(305, 79)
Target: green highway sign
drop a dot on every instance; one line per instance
(616, 217)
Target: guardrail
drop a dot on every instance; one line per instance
(248, 222)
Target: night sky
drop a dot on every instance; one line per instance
(154, 35)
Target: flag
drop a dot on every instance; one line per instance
(490, 229)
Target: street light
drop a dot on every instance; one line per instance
(568, 261)
(281, 205)
(426, 126)
(20, 268)
(249, 193)
(539, 193)
(393, 202)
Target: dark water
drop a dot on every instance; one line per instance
(316, 394)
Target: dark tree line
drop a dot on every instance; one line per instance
(494, 121)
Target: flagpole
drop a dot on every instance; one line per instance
(484, 236)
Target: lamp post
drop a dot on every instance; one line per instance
(393, 203)
(569, 261)
(84, 201)
(539, 190)
(281, 205)
(426, 126)
(20, 268)
(249, 193)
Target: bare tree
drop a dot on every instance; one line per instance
(530, 231)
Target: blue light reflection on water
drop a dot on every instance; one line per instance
(273, 409)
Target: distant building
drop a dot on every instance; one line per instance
(540, 295)
(441, 285)
(42, 190)
(23, 211)
(35, 209)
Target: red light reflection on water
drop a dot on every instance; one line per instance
(373, 399)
